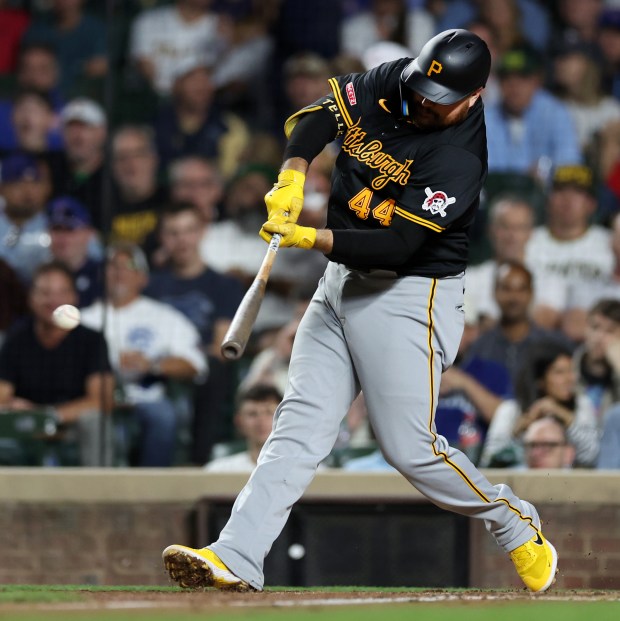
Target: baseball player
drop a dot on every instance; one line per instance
(387, 316)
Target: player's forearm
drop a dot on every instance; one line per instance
(377, 247)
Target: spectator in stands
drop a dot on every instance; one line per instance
(13, 303)
(609, 42)
(597, 360)
(577, 23)
(13, 24)
(80, 174)
(577, 80)
(270, 365)
(37, 71)
(528, 130)
(546, 386)
(79, 39)
(162, 39)
(44, 366)
(597, 363)
(24, 242)
(386, 20)
(504, 19)
(546, 445)
(491, 93)
(253, 420)
(191, 124)
(209, 300)
(150, 343)
(609, 455)
(507, 343)
(34, 125)
(590, 292)
(71, 234)
(197, 181)
(139, 196)
(510, 224)
(534, 17)
(373, 462)
(206, 297)
(568, 252)
(230, 246)
(305, 80)
(243, 73)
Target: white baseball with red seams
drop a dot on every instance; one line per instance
(66, 317)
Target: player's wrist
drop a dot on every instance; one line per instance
(290, 175)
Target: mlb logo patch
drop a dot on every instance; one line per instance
(351, 93)
(436, 202)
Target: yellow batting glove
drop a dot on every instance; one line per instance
(285, 200)
(293, 235)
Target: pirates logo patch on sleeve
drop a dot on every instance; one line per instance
(436, 202)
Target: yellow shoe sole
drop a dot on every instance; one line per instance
(192, 570)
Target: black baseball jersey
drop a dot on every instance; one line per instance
(390, 173)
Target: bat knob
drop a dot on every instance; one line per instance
(232, 351)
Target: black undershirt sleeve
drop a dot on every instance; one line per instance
(313, 131)
(379, 247)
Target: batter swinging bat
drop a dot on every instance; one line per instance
(238, 333)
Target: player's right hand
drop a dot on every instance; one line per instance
(285, 200)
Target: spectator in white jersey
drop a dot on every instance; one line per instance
(568, 252)
(164, 37)
(150, 343)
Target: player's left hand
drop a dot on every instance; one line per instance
(285, 200)
(293, 235)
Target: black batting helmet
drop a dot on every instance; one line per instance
(450, 66)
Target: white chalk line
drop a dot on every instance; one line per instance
(335, 601)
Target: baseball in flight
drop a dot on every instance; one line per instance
(66, 317)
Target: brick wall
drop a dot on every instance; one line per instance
(81, 526)
(71, 543)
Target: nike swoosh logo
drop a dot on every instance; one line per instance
(382, 104)
(538, 540)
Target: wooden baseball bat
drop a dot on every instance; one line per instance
(238, 333)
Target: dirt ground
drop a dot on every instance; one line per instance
(197, 600)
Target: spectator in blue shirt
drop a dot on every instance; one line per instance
(79, 40)
(209, 300)
(529, 131)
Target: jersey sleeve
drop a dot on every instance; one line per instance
(445, 186)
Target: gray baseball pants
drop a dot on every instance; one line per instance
(392, 337)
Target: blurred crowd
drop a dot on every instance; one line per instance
(137, 142)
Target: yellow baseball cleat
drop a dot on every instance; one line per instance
(536, 561)
(195, 569)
